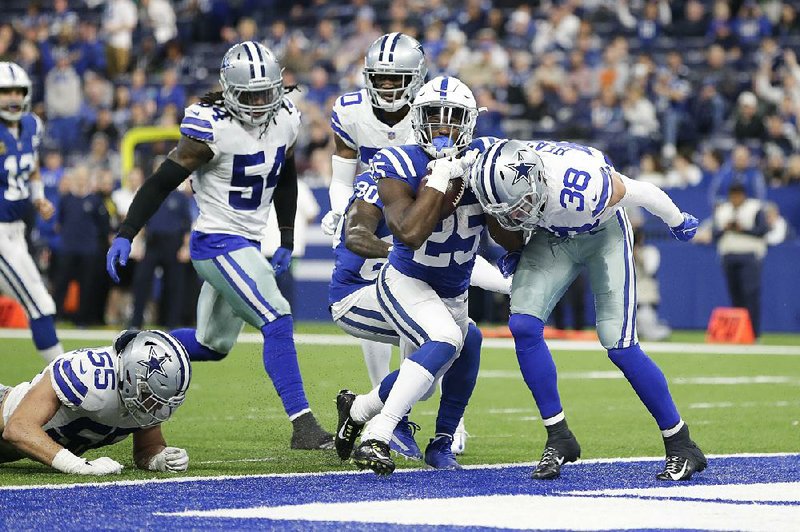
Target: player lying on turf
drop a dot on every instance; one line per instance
(572, 200)
(90, 398)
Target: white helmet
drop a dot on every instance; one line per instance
(510, 183)
(394, 54)
(443, 102)
(154, 374)
(13, 76)
(252, 83)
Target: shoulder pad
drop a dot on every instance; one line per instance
(396, 162)
(199, 121)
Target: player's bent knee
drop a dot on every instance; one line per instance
(434, 355)
(527, 330)
(449, 333)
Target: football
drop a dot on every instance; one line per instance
(452, 197)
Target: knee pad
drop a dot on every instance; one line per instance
(527, 330)
(433, 356)
(449, 332)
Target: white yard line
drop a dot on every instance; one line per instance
(339, 472)
(500, 343)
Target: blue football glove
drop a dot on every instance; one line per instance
(686, 230)
(119, 252)
(281, 260)
(508, 263)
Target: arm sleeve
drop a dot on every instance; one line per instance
(486, 276)
(150, 196)
(342, 177)
(652, 198)
(285, 200)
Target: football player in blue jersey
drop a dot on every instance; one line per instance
(572, 200)
(20, 136)
(239, 143)
(91, 398)
(360, 252)
(422, 291)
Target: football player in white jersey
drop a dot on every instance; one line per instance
(90, 398)
(363, 122)
(572, 200)
(240, 145)
(422, 291)
(20, 189)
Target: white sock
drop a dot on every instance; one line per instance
(51, 353)
(366, 406)
(378, 357)
(674, 430)
(412, 383)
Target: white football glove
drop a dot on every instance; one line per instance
(170, 459)
(447, 168)
(330, 222)
(67, 462)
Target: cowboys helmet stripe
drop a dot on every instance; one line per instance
(383, 47)
(394, 45)
(250, 58)
(179, 350)
(261, 61)
(491, 190)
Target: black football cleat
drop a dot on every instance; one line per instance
(374, 455)
(347, 430)
(684, 457)
(307, 434)
(556, 453)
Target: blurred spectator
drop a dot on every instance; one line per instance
(642, 123)
(62, 17)
(740, 169)
(119, 20)
(673, 90)
(63, 99)
(750, 25)
(100, 156)
(739, 229)
(83, 224)
(471, 17)
(720, 29)
(650, 170)
(104, 124)
(684, 173)
(158, 17)
(695, 21)
(792, 174)
(170, 93)
(749, 122)
(520, 30)
(121, 108)
(779, 135)
(789, 23)
(573, 115)
(88, 52)
(558, 31)
(320, 89)
(166, 233)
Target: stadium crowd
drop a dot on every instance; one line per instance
(684, 94)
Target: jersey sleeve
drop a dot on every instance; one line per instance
(82, 377)
(342, 123)
(199, 124)
(366, 189)
(393, 163)
(601, 191)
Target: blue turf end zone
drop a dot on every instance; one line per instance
(139, 505)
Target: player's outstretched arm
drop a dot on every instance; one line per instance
(150, 452)
(360, 224)
(344, 164)
(187, 157)
(628, 192)
(24, 431)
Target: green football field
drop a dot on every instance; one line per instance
(232, 422)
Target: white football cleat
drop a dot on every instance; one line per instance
(459, 438)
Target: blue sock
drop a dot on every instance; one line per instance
(386, 385)
(197, 351)
(459, 382)
(536, 363)
(280, 361)
(43, 331)
(433, 355)
(648, 382)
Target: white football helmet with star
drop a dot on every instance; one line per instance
(510, 183)
(154, 374)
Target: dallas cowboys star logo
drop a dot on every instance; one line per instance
(154, 364)
(521, 170)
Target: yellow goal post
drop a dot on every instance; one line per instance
(139, 135)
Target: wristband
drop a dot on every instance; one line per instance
(37, 190)
(66, 462)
